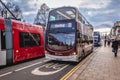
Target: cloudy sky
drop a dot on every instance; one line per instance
(100, 13)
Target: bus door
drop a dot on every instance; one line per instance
(2, 48)
(6, 44)
(8, 41)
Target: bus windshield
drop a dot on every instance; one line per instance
(62, 14)
(61, 36)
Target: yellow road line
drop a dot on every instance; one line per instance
(65, 77)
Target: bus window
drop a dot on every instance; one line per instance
(29, 39)
(61, 35)
(79, 18)
(86, 39)
(62, 14)
(52, 18)
(61, 41)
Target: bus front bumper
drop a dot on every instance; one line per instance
(72, 58)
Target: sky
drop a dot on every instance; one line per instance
(102, 14)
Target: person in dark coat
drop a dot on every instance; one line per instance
(115, 45)
(105, 42)
(108, 42)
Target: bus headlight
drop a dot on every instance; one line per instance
(74, 53)
(46, 52)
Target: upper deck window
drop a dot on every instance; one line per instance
(62, 14)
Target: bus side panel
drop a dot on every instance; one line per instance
(24, 53)
(19, 53)
(79, 47)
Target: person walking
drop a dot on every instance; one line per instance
(105, 41)
(115, 45)
(108, 42)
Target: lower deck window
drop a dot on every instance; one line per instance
(29, 39)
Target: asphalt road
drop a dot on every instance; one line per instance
(37, 69)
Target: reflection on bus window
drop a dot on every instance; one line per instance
(61, 41)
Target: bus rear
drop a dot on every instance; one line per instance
(97, 39)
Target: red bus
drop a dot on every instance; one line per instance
(19, 41)
(69, 36)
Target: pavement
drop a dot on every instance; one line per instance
(100, 65)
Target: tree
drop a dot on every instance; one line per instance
(14, 9)
(42, 15)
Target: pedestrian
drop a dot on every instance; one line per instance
(115, 45)
(105, 42)
(108, 42)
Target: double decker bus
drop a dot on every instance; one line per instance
(97, 38)
(19, 41)
(69, 36)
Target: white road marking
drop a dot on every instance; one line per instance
(38, 72)
(27, 66)
(7, 73)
